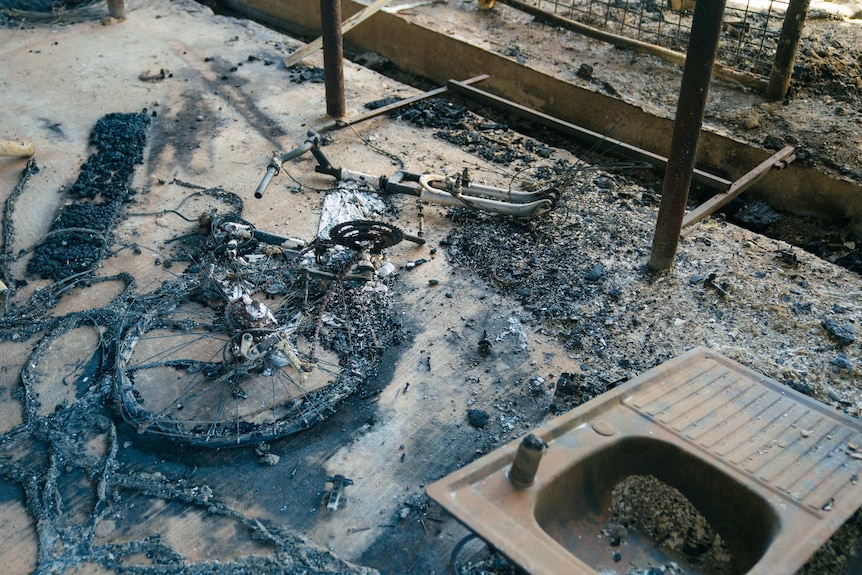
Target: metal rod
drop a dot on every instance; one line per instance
(332, 125)
(778, 160)
(612, 146)
(333, 57)
(785, 54)
(706, 27)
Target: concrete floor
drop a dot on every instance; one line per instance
(224, 106)
(217, 116)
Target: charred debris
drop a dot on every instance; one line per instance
(267, 297)
(47, 453)
(316, 316)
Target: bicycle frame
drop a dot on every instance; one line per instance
(432, 188)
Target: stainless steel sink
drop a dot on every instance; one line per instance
(774, 472)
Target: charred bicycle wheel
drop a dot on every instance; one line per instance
(238, 354)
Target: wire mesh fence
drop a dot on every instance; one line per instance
(749, 37)
(52, 11)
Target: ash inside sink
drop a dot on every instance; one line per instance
(661, 531)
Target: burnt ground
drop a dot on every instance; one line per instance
(70, 426)
(832, 241)
(571, 284)
(820, 115)
(593, 299)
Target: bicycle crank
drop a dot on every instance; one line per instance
(359, 235)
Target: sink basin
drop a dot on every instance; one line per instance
(572, 507)
(773, 472)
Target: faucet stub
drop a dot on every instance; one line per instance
(526, 464)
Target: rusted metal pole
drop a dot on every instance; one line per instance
(700, 56)
(785, 54)
(346, 27)
(333, 57)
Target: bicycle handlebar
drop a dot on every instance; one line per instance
(274, 166)
(271, 170)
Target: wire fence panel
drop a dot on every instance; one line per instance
(749, 37)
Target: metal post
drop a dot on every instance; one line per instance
(333, 57)
(700, 56)
(117, 8)
(785, 54)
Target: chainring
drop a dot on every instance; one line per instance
(359, 235)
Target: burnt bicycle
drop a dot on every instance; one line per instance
(261, 338)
